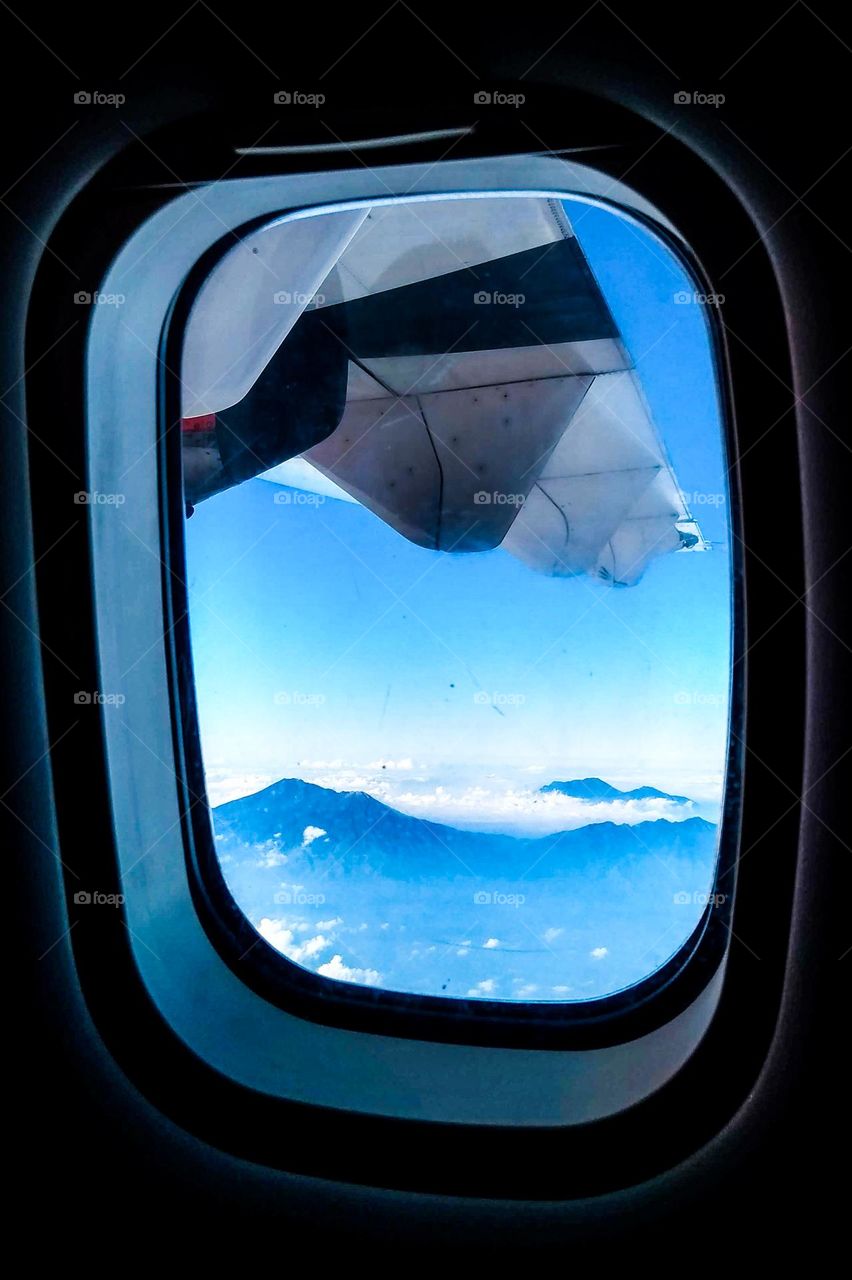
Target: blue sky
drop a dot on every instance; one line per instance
(326, 646)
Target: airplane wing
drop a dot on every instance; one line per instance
(457, 371)
(606, 501)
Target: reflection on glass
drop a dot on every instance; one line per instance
(460, 593)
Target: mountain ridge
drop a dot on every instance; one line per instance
(306, 823)
(595, 789)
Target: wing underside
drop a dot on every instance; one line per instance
(473, 391)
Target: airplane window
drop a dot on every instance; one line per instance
(459, 570)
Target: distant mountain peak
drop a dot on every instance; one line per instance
(595, 789)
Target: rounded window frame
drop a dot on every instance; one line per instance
(625, 1014)
(561, 1085)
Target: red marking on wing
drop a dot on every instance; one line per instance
(206, 422)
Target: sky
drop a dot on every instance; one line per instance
(327, 647)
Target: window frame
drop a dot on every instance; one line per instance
(628, 1013)
(169, 928)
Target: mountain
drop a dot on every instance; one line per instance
(597, 789)
(312, 826)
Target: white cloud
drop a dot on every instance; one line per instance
(273, 859)
(519, 811)
(329, 924)
(490, 943)
(310, 834)
(227, 784)
(346, 778)
(598, 953)
(550, 935)
(463, 951)
(561, 990)
(529, 989)
(484, 988)
(282, 936)
(335, 968)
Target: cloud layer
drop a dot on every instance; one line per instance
(514, 806)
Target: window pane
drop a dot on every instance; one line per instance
(460, 593)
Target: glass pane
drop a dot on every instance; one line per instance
(460, 593)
